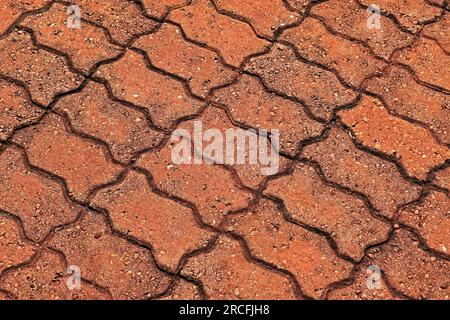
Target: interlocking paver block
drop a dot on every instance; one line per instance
(226, 273)
(410, 269)
(359, 289)
(11, 10)
(250, 174)
(164, 97)
(440, 32)
(290, 247)
(201, 67)
(431, 219)
(266, 16)
(318, 88)
(168, 226)
(38, 201)
(249, 103)
(85, 47)
(15, 109)
(440, 3)
(90, 148)
(348, 18)
(443, 178)
(211, 188)
(14, 249)
(406, 97)
(352, 62)
(124, 129)
(412, 14)
(111, 262)
(82, 164)
(122, 19)
(204, 24)
(411, 144)
(429, 63)
(46, 279)
(374, 177)
(158, 8)
(183, 290)
(44, 73)
(343, 216)
(299, 5)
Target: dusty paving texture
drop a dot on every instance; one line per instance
(86, 177)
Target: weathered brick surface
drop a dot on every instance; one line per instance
(443, 178)
(46, 279)
(124, 129)
(83, 164)
(348, 18)
(12, 9)
(164, 97)
(228, 274)
(169, 227)
(212, 188)
(362, 288)
(44, 73)
(298, 5)
(290, 247)
(431, 219)
(85, 48)
(412, 145)
(204, 24)
(318, 88)
(440, 32)
(38, 201)
(250, 104)
(362, 182)
(410, 269)
(250, 174)
(14, 249)
(122, 19)
(125, 269)
(16, 110)
(159, 9)
(353, 228)
(412, 14)
(183, 290)
(376, 178)
(202, 68)
(406, 97)
(265, 16)
(352, 62)
(429, 63)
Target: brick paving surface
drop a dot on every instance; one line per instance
(87, 178)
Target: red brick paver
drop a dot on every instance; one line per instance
(137, 211)
(164, 97)
(204, 24)
(83, 164)
(357, 206)
(412, 145)
(228, 274)
(168, 50)
(412, 14)
(299, 192)
(13, 9)
(84, 48)
(37, 200)
(45, 74)
(318, 88)
(17, 110)
(348, 18)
